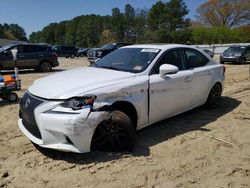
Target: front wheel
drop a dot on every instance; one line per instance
(12, 97)
(214, 97)
(243, 61)
(45, 67)
(115, 133)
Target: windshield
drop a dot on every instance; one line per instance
(108, 46)
(133, 60)
(235, 49)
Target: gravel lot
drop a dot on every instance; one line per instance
(200, 148)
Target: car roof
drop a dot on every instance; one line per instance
(158, 46)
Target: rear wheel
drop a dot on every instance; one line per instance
(214, 97)
(116, 133)
(45, 66)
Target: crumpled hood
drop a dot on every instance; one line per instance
(76, 82)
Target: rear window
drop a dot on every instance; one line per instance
(29, 49)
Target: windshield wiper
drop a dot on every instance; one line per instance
(110, 67)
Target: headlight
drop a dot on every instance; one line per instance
(78, 103)
(99, 54)
(237, 55)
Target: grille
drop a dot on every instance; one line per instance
(91, 54)
(28, 103)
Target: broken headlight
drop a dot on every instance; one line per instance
(78, 103)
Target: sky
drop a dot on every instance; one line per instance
(33, 15)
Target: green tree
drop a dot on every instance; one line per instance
(117, 21)
(167, 21)
(107, 36)
(129, 21)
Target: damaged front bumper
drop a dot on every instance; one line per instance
(58, 128)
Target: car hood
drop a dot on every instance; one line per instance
(76, 82)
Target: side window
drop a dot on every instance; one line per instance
(174, 57)
(41, 48)
(195, 59)
(19, 49)
(29, 49)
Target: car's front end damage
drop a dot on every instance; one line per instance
(67, 121)
(51, 125)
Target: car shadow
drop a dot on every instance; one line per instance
(159, 132)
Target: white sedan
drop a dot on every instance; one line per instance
(101, 107)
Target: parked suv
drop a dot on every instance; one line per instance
(96, 53)
(29, 56)
(66, 51)
(236, 54)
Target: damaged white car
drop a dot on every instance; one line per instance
(101, 107)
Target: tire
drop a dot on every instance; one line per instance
(214, 97)
(12, 97)
(45, 66)
(116, 133)
(243, 61)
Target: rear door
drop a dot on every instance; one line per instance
(202, 74)
(28, 57)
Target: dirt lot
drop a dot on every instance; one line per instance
(201, 148)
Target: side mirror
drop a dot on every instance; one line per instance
(168, 69)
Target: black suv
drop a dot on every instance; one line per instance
(29, 56)
(66, 51)
(96, 53)
(236, 54)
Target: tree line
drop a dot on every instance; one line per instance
(218, 21)
(12, 31)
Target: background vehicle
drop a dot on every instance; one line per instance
(66, 51)
(236, 54)
(83, 52)
(129, 89)
(96, 53)
(30, 56)
(209, 52)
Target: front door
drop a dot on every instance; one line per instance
(172, 93)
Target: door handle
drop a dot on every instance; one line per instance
(188, 79)
(40, 55)
(21, 56)
(210, 72)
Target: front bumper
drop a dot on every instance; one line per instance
(65, 131)
(231, 59)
